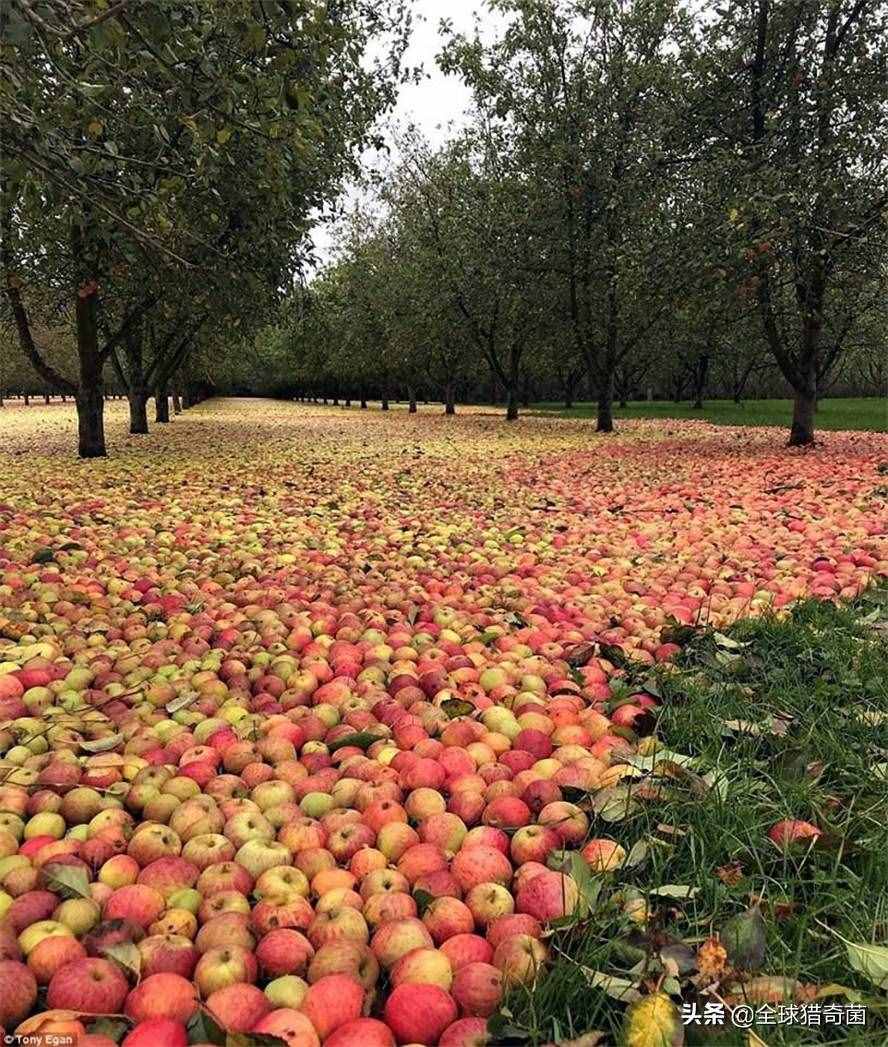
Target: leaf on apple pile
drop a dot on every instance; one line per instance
(253, 1039)
(114, 1028)
(423, 900)
(615, 655)
(203, 1028)
(454, 707)
(102, 745)
(127, 956)
(361, 740)
(678, 633)
(588, 885)
(68, 881)
(579, 656)
(44, 555)
(745, 938)
(181, 702)
(653, 1021)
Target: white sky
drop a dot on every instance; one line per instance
(438, 100)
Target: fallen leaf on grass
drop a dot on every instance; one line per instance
(653, 1021)
(617, 988)
(730, 874)
(868, 960)
(674, 890)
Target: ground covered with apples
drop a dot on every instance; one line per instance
(363, 728)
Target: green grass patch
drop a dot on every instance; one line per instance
(862, 413)
(792, 724)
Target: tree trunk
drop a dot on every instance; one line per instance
(804, 408)
(348, 402)
(512, 404)
(90, 392)
(411, 397)
(161, 404)
(605, 421)
(449, 398)
(385, 402)
(525, 392)
(701, 372)
(177, 404)
(27, 398)
(363, 402)
(46, 399)
(138, 409)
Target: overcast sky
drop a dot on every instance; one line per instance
(437, 100)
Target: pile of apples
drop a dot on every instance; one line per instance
(307, 845)
(296, 756)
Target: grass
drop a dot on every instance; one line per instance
(815, 687)
(849, 413)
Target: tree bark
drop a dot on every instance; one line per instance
(89, 397)
(138, 410)
(411, 396)
(161, 404)
(27, 398)
(804, 408)
(605, 420)
(136, 392)
(46, 399)
(363, 402)
(177, 404)
(701, 372)
(512, 404)
(449, 398)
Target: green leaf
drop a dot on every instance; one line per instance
(223, 135)
(589, 886)
(649, 762)
(615, 804)
(621, 989)
(114, 1028)
(457, 707)
(68, 881)
(127, 956)
(423, 900)
(674, 890)
(361, 739)
(638, 854)
(203, 1028)
(253, 1039)
(44, 555)
(869, 960)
